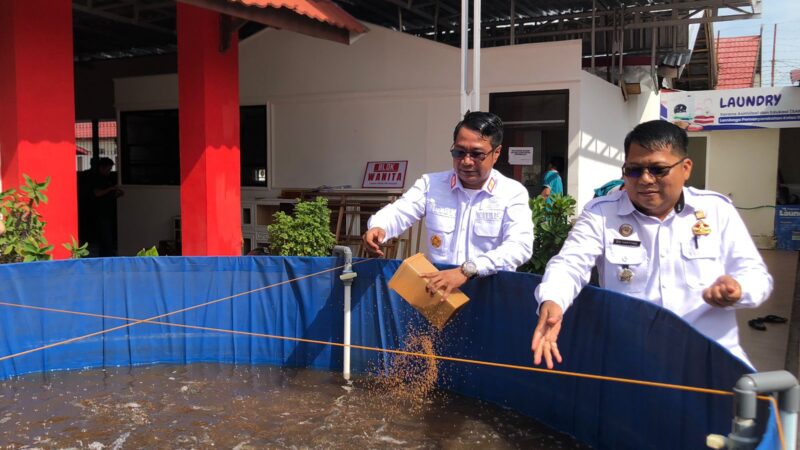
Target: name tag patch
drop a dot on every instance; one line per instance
(627, 242)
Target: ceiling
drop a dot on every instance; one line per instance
(109, 29)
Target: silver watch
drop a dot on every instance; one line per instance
(469, 269)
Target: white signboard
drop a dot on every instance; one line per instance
(520, 156)
(732, 109)
(385, 174)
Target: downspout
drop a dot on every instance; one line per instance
(347, 278)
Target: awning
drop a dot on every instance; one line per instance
(322, 10)
(317, 18)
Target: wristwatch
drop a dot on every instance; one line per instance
(469, 269)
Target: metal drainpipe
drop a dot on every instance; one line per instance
(347, 278)
(743, 433)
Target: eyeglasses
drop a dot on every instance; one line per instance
(654, 171)
(457, 153)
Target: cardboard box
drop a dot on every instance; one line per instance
(409, 285)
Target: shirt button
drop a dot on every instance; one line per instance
(664, 254)
(624, 259)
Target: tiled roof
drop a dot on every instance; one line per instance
(322, 10)
(737, 60)
(106, 128)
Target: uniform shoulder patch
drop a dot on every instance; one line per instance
(705, 193)
(612, 197)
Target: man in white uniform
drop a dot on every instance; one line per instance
(684, 249)
(475, 217)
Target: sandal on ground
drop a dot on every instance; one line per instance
(757, 324)
(773, 319)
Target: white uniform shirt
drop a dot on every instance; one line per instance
(494, 228)
(669, 265)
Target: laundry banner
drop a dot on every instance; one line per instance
(732, 109)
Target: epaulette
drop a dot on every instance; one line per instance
(705, 193)
(608, 198)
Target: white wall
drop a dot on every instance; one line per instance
(743, 165)
(605, 119)
(388, 96)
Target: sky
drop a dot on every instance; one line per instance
(784, 13)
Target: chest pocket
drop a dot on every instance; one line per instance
(488, 223)
(701, 261)
(440, 232)
(618, 259)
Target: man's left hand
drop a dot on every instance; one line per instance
(724, 292)
(445, 281)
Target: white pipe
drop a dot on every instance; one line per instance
(347, 278)
(347, 315)
(476, 56)
(464, 95)
(789, 422)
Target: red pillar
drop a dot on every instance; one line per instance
(37, 108)
(208, 89)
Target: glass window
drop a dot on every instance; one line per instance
(151, 149)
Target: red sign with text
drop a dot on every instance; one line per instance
(385, 174)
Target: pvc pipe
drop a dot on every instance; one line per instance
(464, 45)
(347, 278)
(781, 382)
(476, 55)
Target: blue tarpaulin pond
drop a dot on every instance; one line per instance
(603, 334)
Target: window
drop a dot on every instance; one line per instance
(253, 144)
(151, 149)
(106, 141)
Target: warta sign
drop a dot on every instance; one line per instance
(733, 109)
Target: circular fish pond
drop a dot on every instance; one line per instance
(225, 406)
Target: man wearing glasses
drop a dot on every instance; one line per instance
(684, 249)
(475, 217)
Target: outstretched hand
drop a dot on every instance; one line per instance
(445, 281)
(545, 336)
(372, 240)
(725, 291)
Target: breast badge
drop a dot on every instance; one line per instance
(626, 229)
(436, 241)
(626, 275)
(700, 228)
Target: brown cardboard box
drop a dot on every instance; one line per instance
(409, 285)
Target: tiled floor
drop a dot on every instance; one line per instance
(768, 349)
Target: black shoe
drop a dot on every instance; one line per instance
(773, 319)
(757, 324)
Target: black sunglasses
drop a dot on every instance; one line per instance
(457, 153)
(654, 171)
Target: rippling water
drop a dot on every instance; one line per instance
(245, 407)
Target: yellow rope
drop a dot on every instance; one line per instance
(153, 320)
(161, 316)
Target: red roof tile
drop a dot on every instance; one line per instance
(107, 129)
(322, 10)
(737, 60)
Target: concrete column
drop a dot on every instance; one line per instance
(208, 89)
(37, 108)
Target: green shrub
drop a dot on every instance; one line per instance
(22, 229)
(152, 251)
(551, 225)
(306, 234)
(23, 239)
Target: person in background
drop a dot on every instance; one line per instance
(475, 217)
(552, 181)
(611, 186)
(97, 203)
(684, 249)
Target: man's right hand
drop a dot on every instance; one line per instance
(546, 334)
(372, 240)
